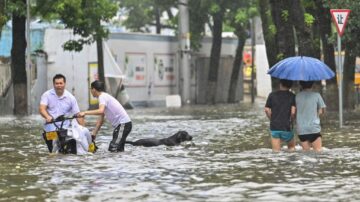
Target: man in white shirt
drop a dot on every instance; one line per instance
(114, 112)
(57, 102)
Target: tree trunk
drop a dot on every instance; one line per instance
(237, 65)
(284, 37)
(303, 31)
(269, 37)
(157, 20)
(325, 33)
(284, 30)
(18, 65)
(170, 14)
(215, 57)
(349, 76)
(324, 22)
(100, 57)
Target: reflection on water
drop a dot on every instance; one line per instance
(229, 160)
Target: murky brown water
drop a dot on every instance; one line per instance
(229, 160)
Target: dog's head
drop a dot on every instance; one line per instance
(182, 136)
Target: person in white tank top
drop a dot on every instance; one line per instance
(110, 108)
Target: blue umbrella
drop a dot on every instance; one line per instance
(301, 68)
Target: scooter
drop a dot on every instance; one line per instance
(60, 141)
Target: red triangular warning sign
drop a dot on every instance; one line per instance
(340, 17)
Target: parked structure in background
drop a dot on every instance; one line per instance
(151, 65)
(141, 68)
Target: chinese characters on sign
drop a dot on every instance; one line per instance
(164, 67)
(135, 69)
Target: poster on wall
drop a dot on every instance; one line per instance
(164, 66)
(93, 75)
(135, 69)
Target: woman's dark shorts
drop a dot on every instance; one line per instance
(309, 137)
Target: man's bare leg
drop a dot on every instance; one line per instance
(291, 145)
(275, 144)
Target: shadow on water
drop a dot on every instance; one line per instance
(229, 160)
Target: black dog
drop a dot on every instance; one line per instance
(173, 140)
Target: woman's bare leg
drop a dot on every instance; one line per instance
(305, 145)
(317, 145)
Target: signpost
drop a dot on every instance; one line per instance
(340, 17)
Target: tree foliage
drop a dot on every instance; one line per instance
(144, 13)
(7, 8)
(199, 16)
(4, 16)
(83, 16)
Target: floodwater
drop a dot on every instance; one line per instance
(229, 159)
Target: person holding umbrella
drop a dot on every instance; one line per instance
(310, 107)
(280, 109)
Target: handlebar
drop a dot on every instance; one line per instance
(62, 118)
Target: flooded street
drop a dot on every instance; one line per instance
(229, 159)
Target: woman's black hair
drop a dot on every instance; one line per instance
(98, 85)
(306, 84)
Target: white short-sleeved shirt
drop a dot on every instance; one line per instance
(114, 111)
(57, 106)
(307, 105)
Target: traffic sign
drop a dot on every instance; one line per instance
(340, 17)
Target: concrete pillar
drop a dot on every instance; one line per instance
(184, 47)
(40, 85)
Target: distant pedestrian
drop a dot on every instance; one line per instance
(114, 112)
(310, 107)
(280, 109)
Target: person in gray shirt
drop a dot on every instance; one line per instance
(310, 107)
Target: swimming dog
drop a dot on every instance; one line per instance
(173, 140)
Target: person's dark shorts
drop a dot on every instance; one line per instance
(309, 137)
(286, 136)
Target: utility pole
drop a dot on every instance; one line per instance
(28, 58)
(184, 49)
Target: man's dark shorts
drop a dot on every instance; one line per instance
(286, 136)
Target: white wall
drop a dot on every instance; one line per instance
(74, 65)
(263, 80)
(151, 45)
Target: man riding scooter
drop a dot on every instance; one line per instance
(58, 102)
